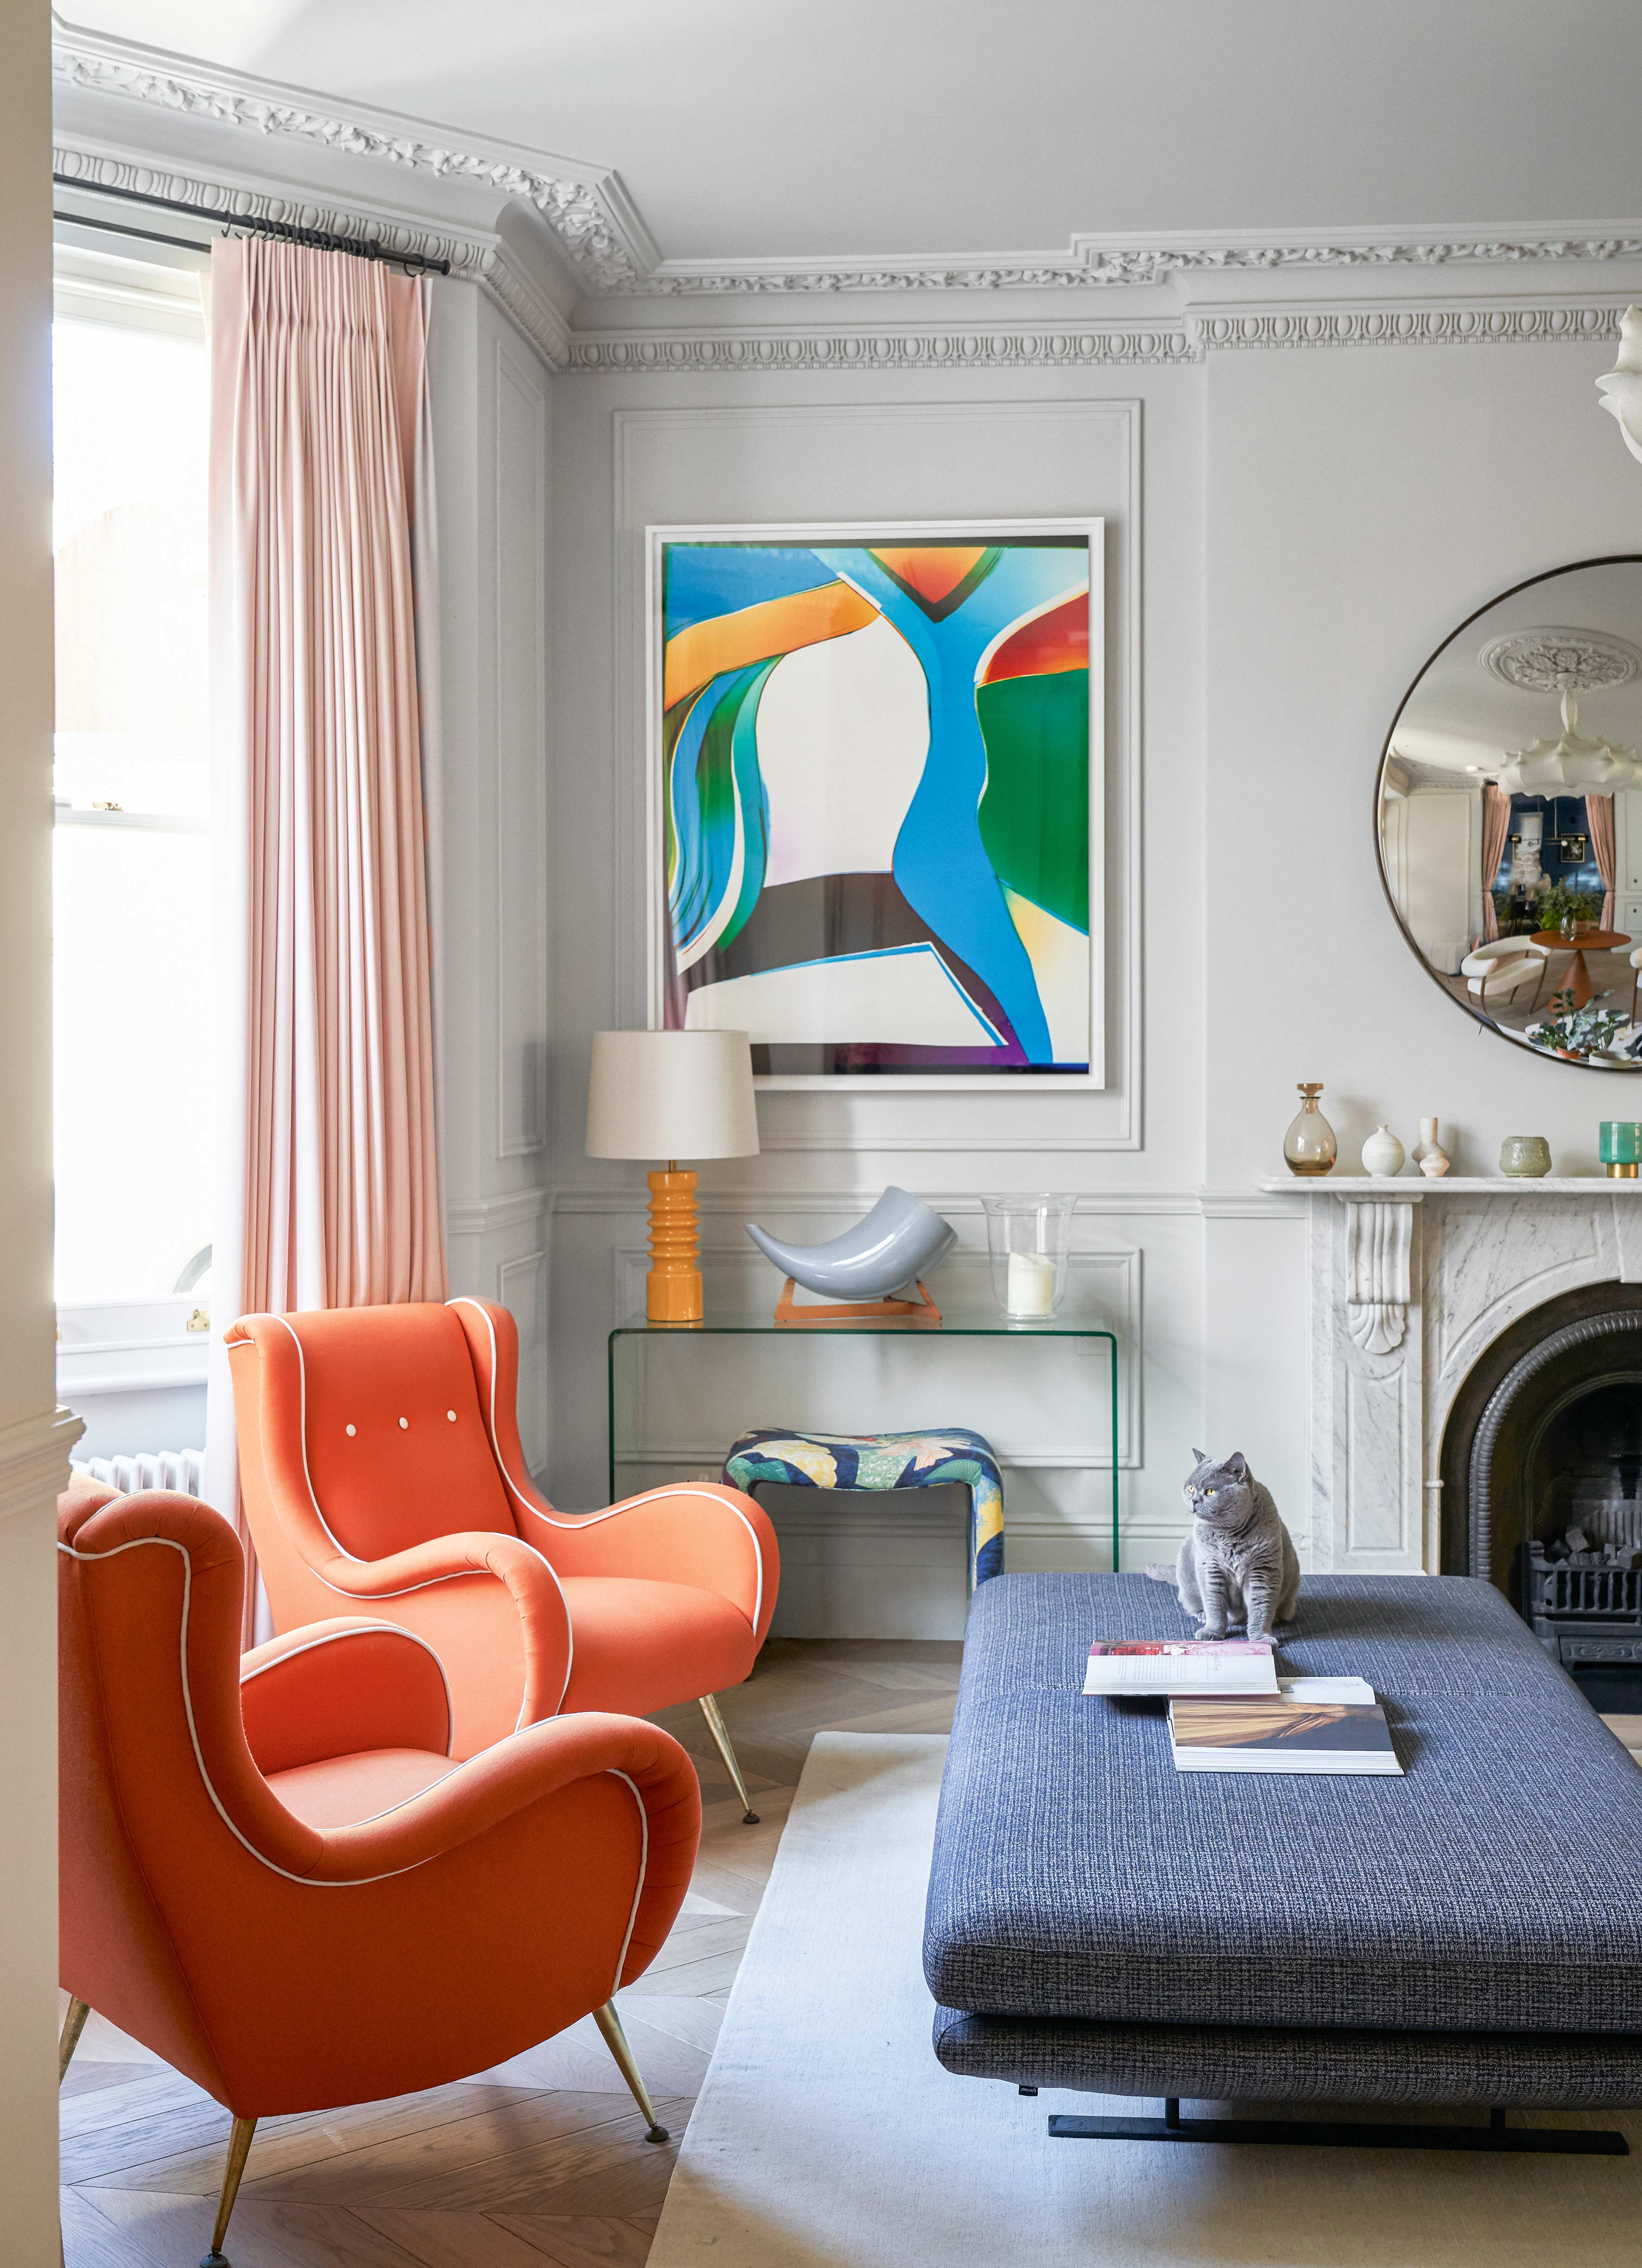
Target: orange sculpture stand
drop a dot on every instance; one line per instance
(857, 1311)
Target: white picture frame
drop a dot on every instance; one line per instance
(885, 532)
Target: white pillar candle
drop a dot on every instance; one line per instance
(1031, 1284)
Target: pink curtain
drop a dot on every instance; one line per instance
(1599, 812)
(328, 1192)
(1495, 826)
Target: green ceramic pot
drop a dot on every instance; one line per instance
(1620, 1147)
(1525, 1156)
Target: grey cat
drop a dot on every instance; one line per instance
(1239, 1562)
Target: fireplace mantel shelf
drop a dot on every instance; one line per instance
(1412, 1189)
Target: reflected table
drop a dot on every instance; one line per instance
(730, 1325)
(1589, 941)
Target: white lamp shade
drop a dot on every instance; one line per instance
(671, 1094)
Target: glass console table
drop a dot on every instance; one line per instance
(731, 1324)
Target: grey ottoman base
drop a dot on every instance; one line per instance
(1236, 2064)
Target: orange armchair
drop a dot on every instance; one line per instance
(381, 1465)
(260, 1860)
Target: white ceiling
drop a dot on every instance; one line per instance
(747, 129)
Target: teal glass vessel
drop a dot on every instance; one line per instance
(1620, 1147)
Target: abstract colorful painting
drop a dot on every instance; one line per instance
(873, 769)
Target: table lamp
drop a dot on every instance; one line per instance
(672, 1095)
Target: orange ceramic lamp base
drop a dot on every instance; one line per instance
(672, 1290)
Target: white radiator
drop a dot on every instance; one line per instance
(177, 1470)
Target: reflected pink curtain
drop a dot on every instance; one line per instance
(1495, 826)
(327, 1193)
(1599, 814)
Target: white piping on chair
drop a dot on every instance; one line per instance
(335, 1637)
(302, 1433)
(570, 1625)
(456, 1575)
(592, 1520)
(463, 1575)
(307, 1882)
(644, 1869)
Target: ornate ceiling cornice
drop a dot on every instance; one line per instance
(584, 210)
(1094, 262)
(609, 253)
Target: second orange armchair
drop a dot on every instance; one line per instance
(380, 1463)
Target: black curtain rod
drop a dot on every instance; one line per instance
(361, 248)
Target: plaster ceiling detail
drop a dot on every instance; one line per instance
(578, 211)
(1559, 660)
(611, 255)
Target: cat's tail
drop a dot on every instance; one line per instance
(1156, 1574)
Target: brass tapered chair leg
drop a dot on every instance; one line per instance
(238, 2146)
(720, 1733)
(616, 2039)
(68, 2038)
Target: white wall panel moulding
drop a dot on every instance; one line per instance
(741, 1200)
(494, 1216)
(1110, 430)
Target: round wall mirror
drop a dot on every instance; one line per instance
(1508, 811)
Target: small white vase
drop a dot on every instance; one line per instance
(1429, 1155)
(1383, 1154)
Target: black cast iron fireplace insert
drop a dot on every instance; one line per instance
(1545, 1438)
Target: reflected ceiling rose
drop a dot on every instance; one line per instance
(1565, 661)
(1557, 658)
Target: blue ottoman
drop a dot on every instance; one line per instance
(884, 1461)
(1471, 1931)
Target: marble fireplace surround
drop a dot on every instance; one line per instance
(1408, 1280)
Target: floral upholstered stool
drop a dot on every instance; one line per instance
(884, 1461)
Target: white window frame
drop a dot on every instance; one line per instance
(130, 1346)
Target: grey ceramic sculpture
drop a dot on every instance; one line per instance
(900, 1240)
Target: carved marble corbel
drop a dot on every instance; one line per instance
(1378, 1235)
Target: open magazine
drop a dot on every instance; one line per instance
(1165, 1666)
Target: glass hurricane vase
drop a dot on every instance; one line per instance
(1027, 1240)
(1309, 1146)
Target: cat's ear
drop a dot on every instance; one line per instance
(1238, 1463)
(1202, 1455)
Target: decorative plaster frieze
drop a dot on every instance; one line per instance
(675, 353)
(1408, 326)
(672, 353)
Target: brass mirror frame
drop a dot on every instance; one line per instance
(1548, 575)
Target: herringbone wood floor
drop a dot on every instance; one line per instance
(542, 2160)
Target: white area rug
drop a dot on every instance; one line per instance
(827, 2136)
